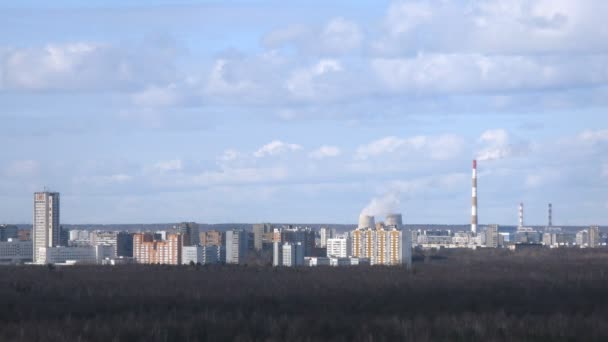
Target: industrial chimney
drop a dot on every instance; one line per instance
(474, 200)
(550, 215)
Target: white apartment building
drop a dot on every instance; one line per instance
(338, 247)
(45, 230)
(200, 254)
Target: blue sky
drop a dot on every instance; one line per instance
(300, 111)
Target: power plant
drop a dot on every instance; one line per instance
(394, 220)
(474, 200)
(366, 221)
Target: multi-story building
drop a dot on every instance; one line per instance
(324, 235)
(237, 245)
(550, 239)
(79, 238)
(260, 235)
(124, 244)
(46, 231)
(492, 240)
(74, 255)
(147, 250)
(8, 232)
(382, 245)
(582, 238)
(305, 236)
(594, 237)
(200, 254)
(15, 251)
(190, 233)
(292, 254)
(211, 238)
(338, 247)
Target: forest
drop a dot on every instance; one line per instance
(455, 295)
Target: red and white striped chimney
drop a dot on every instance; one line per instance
(474, 201)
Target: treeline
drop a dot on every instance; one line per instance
(486, 295)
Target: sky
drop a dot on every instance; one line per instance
(304, 111)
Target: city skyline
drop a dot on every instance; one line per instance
(305, 112)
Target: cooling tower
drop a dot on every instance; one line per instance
(394, 220)
(366, 221)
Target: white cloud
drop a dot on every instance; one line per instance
(325, 152)
(439, 147)
(341, 35)
(312, 81)
(82, 66)
(169, 165)
(275, 147)
(229, 155)
(498, 146)
(402, 17)
(231, 176)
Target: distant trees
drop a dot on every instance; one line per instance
(464, 295)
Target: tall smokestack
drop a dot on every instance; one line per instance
(521, 215)
(550, 215)
(474, 201)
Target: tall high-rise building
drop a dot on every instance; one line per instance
(326, 234)
(474, 219)
(46, 231)
(293, 254)
(492, 236)
(189, 231)
(594, 237)
(260, 235)
(237, 244)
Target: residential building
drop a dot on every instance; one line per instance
(338, 247)
(46, 231)
(594, 237)
(305, 236)
(200, 254)
(292, 254)
(211, 238)
(79, 238)
(260, 235)
(147, 250)
(24, 235)
(382, 245)
(492, 240)
(237, 245)
(582, 238)
(324, 235)
(190, 233)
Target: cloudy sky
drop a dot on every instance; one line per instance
(304, 111)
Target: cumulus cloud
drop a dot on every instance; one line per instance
(498, 146)
(276, 147)
(325, 151)
(594, 136)
(438, 147)
(311, 82)
(229, 155)
(82, 66)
